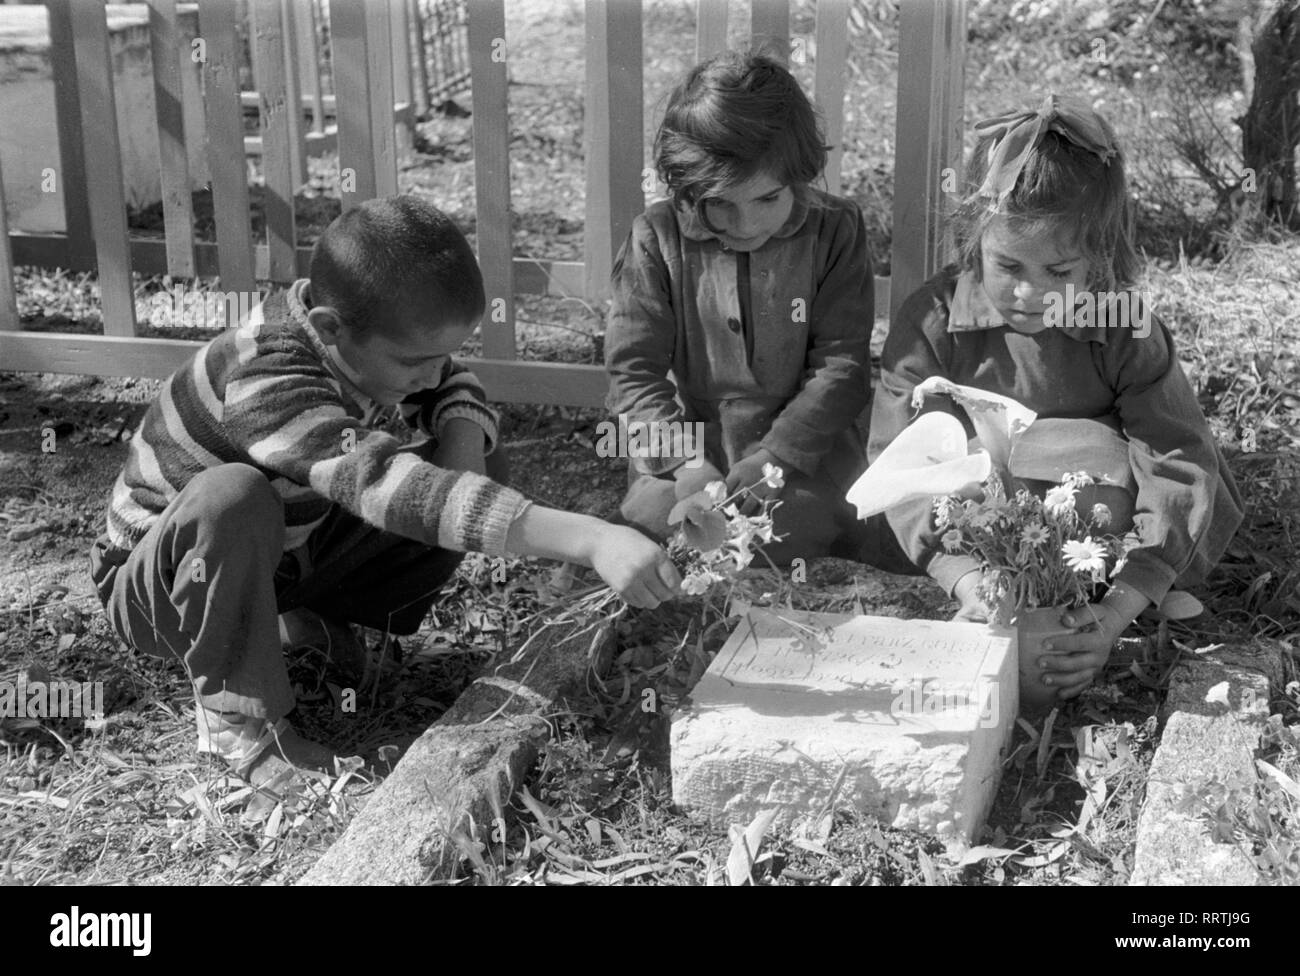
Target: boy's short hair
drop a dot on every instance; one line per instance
(736, 114)
(384, 252)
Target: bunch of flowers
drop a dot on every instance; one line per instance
(712, 544)
(1034, 552)
(714, 541)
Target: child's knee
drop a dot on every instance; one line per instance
(235, 491)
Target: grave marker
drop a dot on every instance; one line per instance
(904, 719)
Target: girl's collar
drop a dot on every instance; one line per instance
(693, 229)
(972, 310)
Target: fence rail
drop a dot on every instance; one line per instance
(376, 59)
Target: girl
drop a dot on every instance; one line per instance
(744, 303)
(1040, 308)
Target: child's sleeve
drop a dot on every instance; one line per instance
(640, 340)
(837, 378)
(1187, 506)
(284, 411)
(916, 348)
(458, 394)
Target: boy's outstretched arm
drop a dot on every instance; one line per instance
(633, 566)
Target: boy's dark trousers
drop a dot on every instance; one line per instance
(210, 578)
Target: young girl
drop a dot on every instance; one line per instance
(745, 303)
(1041, 308)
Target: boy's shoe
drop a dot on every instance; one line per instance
(335, 639)
(267, 755)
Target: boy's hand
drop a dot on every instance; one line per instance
(972, 609)
(460, 446)
(636, 568)
(689, 480)
(1076, 659)
(748, 470)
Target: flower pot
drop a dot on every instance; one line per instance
(1032, 628)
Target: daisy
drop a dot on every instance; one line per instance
(1086, 557)
(952, 540)
(697, 584)
(1100, 515)
(943, 511)
(1034, 534)
(1059, 500)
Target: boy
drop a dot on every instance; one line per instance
(271, 474)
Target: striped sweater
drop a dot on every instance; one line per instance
(268, 394)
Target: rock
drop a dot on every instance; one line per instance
(20, 533)
(1204, 742)
(454, 776)
(904, 719)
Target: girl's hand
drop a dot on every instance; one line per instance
(1076, 659)
(748, 470)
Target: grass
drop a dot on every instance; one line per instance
(129, 801)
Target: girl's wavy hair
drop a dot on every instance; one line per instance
(736, 115)
(1065, 186)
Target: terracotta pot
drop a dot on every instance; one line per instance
(1032, 628)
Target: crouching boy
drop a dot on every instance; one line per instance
(329, 454)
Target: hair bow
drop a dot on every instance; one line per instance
(1016, 135)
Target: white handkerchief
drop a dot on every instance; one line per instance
(998, 420)
(929, 458)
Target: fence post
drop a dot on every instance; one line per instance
(217, 26)
(293, 93)
(353, 104)
(769, 24)
(614, 104)
(277, 153)
(72, 161)
(309, 55)
(104, 181)
(928, 137)
(493, 224)
(169, 99)
(710, 28)
(8, 297)
(832, 35)
(416, 19)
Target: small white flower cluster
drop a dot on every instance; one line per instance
(714, 541)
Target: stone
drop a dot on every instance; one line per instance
(805, 712)
(1204, 742)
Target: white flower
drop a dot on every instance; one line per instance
(1100, 515)
(697, 584)
(952, 540)
(1219, 693)
(716, 490)
(1059, 500)
(773, 475)
(1033, 534)
(1086, 557)
(943, 510)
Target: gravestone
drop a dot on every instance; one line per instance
(810, 712)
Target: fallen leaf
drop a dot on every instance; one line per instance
(744, 850)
